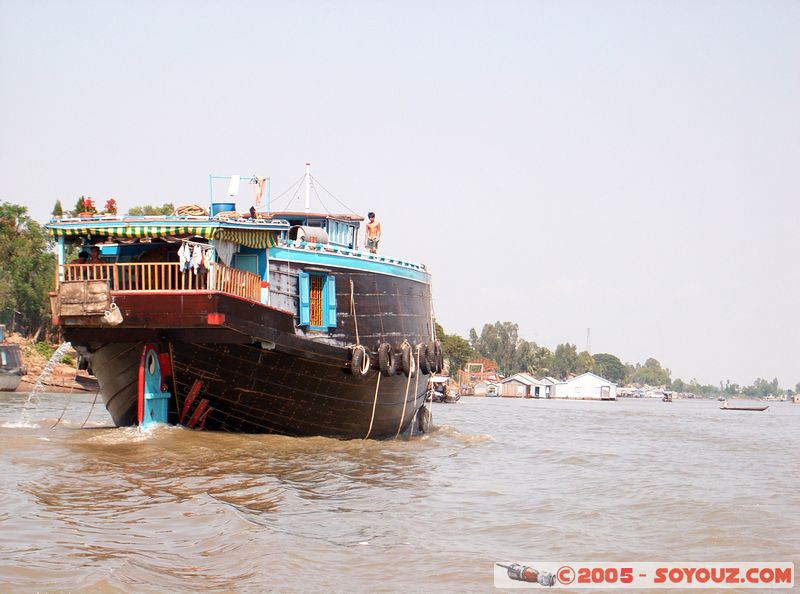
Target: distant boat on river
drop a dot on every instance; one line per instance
(752, 408)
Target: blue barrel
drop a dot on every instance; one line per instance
(218, 207)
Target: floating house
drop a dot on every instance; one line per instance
(546, 388)
(487, 388)
(521, 385)
(585, 387)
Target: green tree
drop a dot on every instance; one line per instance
(678, 385)
(609, 367)
(152, 211)
(565, 360)
(731, 389)
(762, 387)
(541, 364)
(585, 362)
(651, 373)
(457, 350)
(499, 343)
(58, 211)
(27, 270)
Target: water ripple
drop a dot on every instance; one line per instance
(111, 509)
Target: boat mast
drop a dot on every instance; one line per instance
(308, 187)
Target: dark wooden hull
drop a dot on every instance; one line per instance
(256, 371)
(253, 390)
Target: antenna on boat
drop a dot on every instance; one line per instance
(308, 187)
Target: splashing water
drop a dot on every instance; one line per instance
(33, 397)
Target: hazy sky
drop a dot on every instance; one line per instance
(631, 167)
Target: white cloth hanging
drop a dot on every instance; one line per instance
(197, 258)
(225, 250)
(184, 256)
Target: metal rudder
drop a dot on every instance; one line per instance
(153, 403)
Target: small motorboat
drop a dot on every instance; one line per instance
(11, 367)
(438, 390)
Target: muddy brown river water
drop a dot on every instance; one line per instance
(107, 509)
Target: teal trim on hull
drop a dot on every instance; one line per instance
(320, 258)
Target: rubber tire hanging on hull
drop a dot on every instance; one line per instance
(423, 420)
(386, 361)
(407, 358)
(423, 359)
(439, 352)
(359, 361)
(431, 358)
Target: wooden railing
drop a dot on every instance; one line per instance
(237, 282)
(138, 277)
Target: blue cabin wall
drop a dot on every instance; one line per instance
(262, 259)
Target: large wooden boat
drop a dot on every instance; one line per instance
(274, 324)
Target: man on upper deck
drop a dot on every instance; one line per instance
(373, 234)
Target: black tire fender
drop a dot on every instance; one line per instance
(439, 350)
(423, 360)
(424, 419)
(359, 361)
(409, 363)
(430, 357)
(386, 359)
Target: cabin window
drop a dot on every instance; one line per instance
(317, 292)
(3, 358)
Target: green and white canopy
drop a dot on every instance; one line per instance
(254, 235)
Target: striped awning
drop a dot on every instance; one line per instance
(136, 231)
(253, 238)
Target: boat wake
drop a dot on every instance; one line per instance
(452, 432)
(124, 435)
(21, 425)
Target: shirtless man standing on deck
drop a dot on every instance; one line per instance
(373, 235)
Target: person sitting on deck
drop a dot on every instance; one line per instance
(83, 256)
(373, 234)
(95, 258)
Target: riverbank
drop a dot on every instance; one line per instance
(61, 379)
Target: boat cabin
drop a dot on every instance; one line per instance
(340, 230)
(278, 260)
(285, 260)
